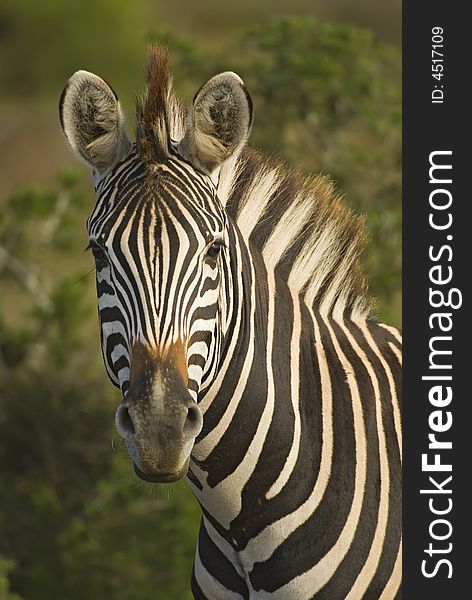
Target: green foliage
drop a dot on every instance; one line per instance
(5, 567)
(39, 41)
(74, 521)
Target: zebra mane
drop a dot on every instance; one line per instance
(301, 225)
(303, 228)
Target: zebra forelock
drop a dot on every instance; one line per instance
(159, 114)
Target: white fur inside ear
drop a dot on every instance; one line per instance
(93, 122)
(218, 123)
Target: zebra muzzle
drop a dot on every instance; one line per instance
(159, 420)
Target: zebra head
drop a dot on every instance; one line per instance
(159, 237)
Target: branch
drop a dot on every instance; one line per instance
(51, 225)
(26, 278)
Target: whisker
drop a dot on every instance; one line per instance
(92, 270)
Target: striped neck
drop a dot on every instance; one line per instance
(252, 409)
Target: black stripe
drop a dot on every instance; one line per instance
(216, 563)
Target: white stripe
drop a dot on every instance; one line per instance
(118, 351)
(224, 547)
(370, 566)
(393, 584)
(391, 384)
(396, 334)
(234, 484)
(396, 351)
(285, 233)
(262, 187)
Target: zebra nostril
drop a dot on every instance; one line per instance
(123, 421)
(193, 421)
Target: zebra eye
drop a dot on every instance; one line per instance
(214, 250)
(98, 253)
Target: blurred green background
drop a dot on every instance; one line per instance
(326, 83)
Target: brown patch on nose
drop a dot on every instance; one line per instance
(145, 359)
(177, 358)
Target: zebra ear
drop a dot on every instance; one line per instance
(218, 123)
(92, 121)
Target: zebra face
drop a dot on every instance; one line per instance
(160, 249)
(158, 234)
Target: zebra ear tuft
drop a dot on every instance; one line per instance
(218, 123)
(93, 122)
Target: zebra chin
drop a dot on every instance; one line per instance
(161, 477)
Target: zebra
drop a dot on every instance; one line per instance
(235, 319)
